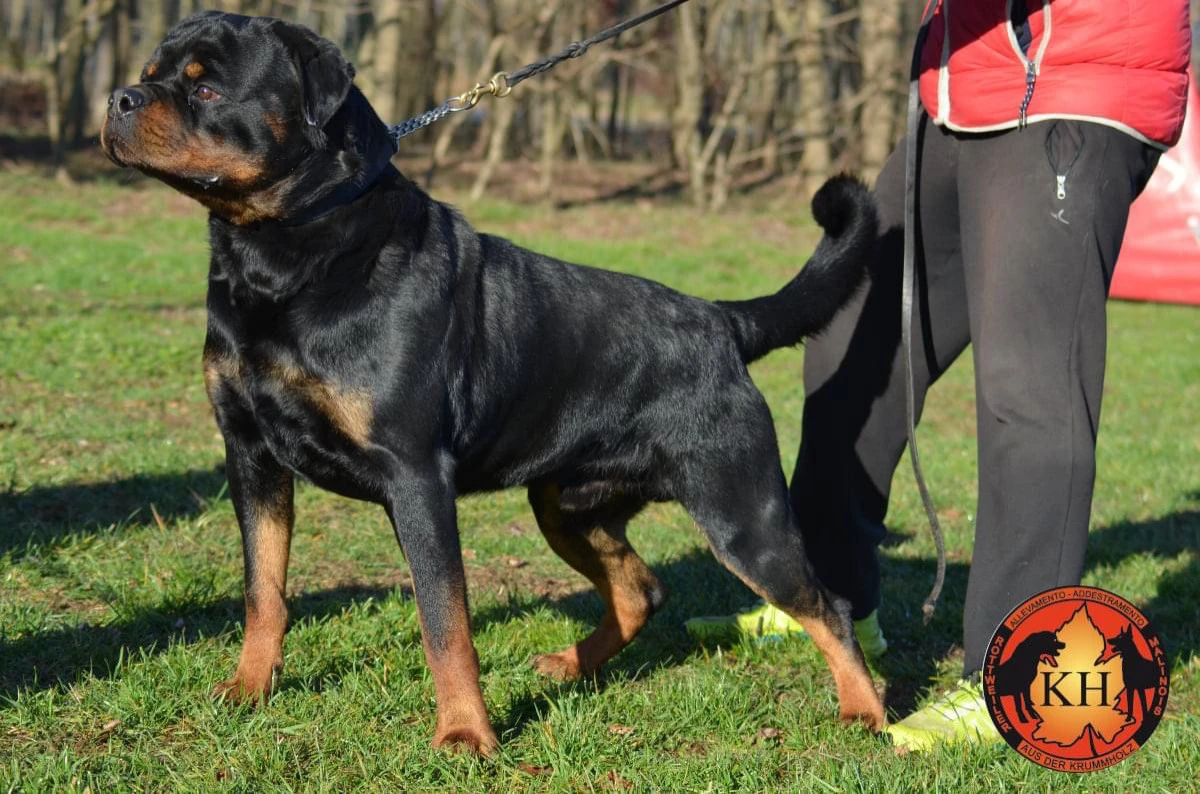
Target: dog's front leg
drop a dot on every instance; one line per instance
(261, 490)
(423, 514)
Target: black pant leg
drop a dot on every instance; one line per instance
(853, 422)
(1037, 272)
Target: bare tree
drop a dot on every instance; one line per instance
(720, 94)
(882, 65)
(398, 60)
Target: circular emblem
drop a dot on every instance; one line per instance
(1076, 679)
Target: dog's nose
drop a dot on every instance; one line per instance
(124, 101)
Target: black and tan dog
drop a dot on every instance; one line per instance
(1015, 676)
(365, 337)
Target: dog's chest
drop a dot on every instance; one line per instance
(314, 424)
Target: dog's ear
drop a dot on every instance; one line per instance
(325, 75)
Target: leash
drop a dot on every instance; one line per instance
(907, 299)
(501, 84)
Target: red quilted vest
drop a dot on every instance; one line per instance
(1123, 63)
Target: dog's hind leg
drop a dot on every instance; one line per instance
(593, 542)
(739, 498)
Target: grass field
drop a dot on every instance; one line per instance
(120, 565)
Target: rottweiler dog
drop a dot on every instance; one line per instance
(1015, 676)
(365, 337)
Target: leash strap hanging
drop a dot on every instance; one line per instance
(502, 83)
(907, 301)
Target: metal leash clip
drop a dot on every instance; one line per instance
(497, 86)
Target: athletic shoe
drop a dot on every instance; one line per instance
(958, 717)
(767, 622)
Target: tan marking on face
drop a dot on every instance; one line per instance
(277, 126)
(348, 410)
(161, 143)
(152, 69)
(194, 70)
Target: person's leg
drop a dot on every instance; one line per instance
(1038, 268)
(854, 410)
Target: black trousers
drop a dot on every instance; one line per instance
(1017, 236)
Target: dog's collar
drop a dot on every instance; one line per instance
(346, 193)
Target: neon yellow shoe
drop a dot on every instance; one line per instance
(764, 622)
(870, 636)
(958, 717)
(767, 622)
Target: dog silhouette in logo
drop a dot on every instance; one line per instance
(1138, 672)
(1014, 677)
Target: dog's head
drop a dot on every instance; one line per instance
(255, 117)
(1122, 642)
(1047, 645)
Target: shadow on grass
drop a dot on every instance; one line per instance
(60, 657)
(1173, 610)
(915, 649)
(697, 583)
(46, 515)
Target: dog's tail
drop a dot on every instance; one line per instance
(846, 211)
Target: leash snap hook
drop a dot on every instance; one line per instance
(497, 86)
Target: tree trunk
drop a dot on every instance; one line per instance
(155, 19)
(689, 86)
(815, 108)
(554, 116)
(501, 125)
(15, 35)
(882, 63)
(122, 45)
(403, 58)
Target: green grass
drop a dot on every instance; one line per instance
(120, 567)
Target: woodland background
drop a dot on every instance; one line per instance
(718, 96)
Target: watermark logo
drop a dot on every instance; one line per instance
(1076, 679)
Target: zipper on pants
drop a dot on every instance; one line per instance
(1064, 144)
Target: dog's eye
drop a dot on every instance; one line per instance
(205, 94)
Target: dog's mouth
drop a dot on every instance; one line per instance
(109, 144)
(1051, 657)
(125, 155)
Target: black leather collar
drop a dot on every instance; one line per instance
(347, 193)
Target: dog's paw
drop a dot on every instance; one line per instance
(245, 687)
(871, 716)
(561, 666)
(467, 739)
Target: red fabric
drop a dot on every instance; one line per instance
(1122, 61)
(1160, 258)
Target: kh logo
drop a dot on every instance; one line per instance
(1076, 679)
